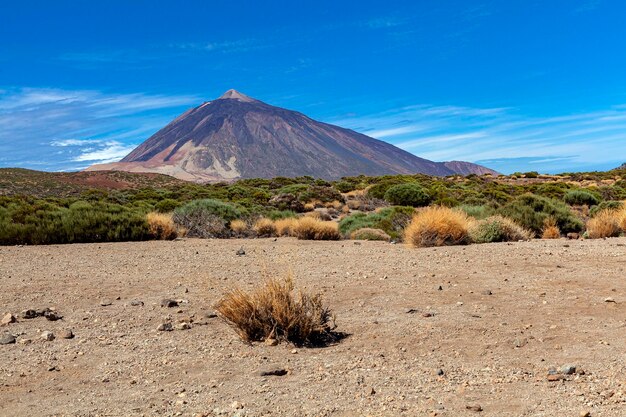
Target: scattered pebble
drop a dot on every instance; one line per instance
(105, 303)
(168, 302)
(474, 407)
(47, 336)
(66, 334)
(7, 319)
(7, 339)
(136, 303)
(165, 327)
(274, 372)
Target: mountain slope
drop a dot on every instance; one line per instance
(237, 136)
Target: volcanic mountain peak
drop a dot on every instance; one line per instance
(236, 95)
(237, 136)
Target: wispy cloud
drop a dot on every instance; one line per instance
(501, 137)
(56, 129)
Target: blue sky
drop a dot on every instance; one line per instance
(515, 85)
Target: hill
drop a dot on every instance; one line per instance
(237, 136)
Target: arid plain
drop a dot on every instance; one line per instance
(509, 329)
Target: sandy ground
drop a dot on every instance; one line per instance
(505, 315)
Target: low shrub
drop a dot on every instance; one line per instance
(166, 205)
(285, 227)
(370, 234)
(239, 227)
(477, 212)
(161, 226)
(438, 226)
(410, 194)
(308, 228)
(550, 229)
(497, 229)
(580, 198)
(273, 311)
(605, 224)
(530, 211)
(206, 218)
(392, 220)
(264, 228)
(611, 205)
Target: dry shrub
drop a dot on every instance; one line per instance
(497, 229)
(353, 204)
(368, 233)
(161, 226)
(308, 228)
(264, 227)
(550, 229)
(345, 209)
(273, 311)
(605, 224)
(336, 204)
(284, 227)
(309, 207)
(621, 217)
(438, 226)
(239, 227)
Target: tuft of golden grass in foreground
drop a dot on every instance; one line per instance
(550, 229)
(438, 226)
(161, 226)
(605, 224)
(308, 228)
(275, 311)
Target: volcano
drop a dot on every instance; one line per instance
(236, 136)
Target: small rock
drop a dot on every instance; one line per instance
(440, 288)
(7, 339)
(7, 319)
(183, 326)
(585, 413)
(29, 314)
(609, 300)
(236, 405)
(520, 342)
(167, 302)
(105, 303)
(66, 334)
(411, 310)
(52, 315)
(271, 341)
(555, 377)
(474, 407)
(25, 341)
(440, 372)
(573, 236)
(372, 391)
(241, 251)
(427, 314)
(487, 292)
(47, 336)
(568, 369)
(136, 303)
(211, 315)
(294, 351)
(274, 372)
(165, 327)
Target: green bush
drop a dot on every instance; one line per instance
(392, 220)
(45, 223)
(610, 205)
(410, 194)
(497, 229)
(477, 212)
(207, 218)
(166, 205)
(581, 197)
(530, 211)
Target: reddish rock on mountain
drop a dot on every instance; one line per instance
(237, 136)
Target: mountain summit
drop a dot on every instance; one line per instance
(237, 136)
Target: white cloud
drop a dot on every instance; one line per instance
(58, 129)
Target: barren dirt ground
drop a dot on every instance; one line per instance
(444, 331)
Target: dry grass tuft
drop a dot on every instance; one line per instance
(284, 227)
(309, 207)
(550, 229)
(161, 226)
(438, 226)
(264, 228)
(308, 228)
(239, 227)
(368, 233)
(605, 224)
(273, 311)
